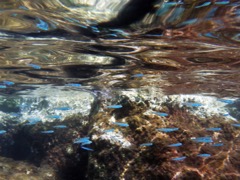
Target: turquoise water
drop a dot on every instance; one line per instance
(61, 59)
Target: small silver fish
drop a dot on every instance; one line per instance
(227, 101)
(121, 124)
(137, 75)
(73, 85)
(203, 140)
(175, 145)
(204, 155)
(60, 126)
(222, 2)
(2, 132)
(162, 114)
(166, 130)
(181, 158)
(63, 108)
(146, 144)
(217, 144)
(8, 83)
(189, 104)
(3, 86)
(214, 129)
(81, 140)
(34, 66)
(116, 106)
(95, 29)
(47, 132)
(86, 148)
(203, 5)
(173, 3)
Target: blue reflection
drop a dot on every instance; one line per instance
(236, 37)
(42, 25)
(210, 35)
(212, 12)
(187, 22)
(203, 5)
(176, 14)
(23, 8)
(163, 9)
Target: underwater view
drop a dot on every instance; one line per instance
(119, 89)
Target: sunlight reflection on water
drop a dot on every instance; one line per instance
(168, 45)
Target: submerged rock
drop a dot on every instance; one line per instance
(140, 140)
(47, 103)
(203, 154)
(43, 143)
(18, 170)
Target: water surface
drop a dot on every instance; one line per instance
(180, 47)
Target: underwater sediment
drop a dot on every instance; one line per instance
(17, 170)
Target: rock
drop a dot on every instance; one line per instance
(112, 159)
(117, 142)
(18, 170)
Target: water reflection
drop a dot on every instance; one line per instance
(173, 45)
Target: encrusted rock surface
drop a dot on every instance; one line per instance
(37, 145)
(117, 148)
(112, 159)
(46, 101)
(18, 170)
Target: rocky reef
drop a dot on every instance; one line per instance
(49, 143)
(171, 145)
(131, 138)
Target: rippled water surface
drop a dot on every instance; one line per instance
(179, 47)
(51, 48)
